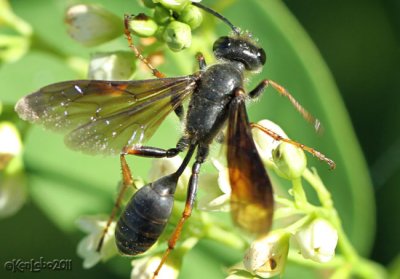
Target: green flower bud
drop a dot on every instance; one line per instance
(149, 3)
(160, 32)
(92, 25)
(178, 35)
(142, 25)
(192, 16)
(175, 5)
(161, 14)
(112, 66)
(290, 160)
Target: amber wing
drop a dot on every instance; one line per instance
(251, 198)
(105, 116)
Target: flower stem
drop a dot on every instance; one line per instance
(215, 232)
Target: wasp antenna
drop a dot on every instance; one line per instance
(235, 29)
(306, 115)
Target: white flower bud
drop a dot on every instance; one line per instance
(12, 178)
(217, 190)
(265, 143)
(92, 25)
(317, 241)
(10, 142)
(267, 256)
(144, 269)
(112, 66)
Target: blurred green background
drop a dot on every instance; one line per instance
(359, 42)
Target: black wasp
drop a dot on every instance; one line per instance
(117, 117)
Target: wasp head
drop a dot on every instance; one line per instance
(241, 49)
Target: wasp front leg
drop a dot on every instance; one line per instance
(284, 92)
(202, 61)
(128, 36)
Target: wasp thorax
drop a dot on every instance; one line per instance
(242, 50)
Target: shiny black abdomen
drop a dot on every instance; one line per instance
(143, 220)
(208, 107)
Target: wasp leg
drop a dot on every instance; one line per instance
(191, 195)
(128, 36)
(144, 151)
(126, 182)
(277, 137)
(201, 61)
(281, 90)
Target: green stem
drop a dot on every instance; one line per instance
(323, 194)
(299, 195)
(215, 232)
(75, 63)
(354, 263)
(293, 228)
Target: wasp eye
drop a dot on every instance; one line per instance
(221, 44)
(262, 56)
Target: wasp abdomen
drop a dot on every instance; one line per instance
(145, 217)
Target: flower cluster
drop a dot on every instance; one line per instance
(171, 22)
(313, 235)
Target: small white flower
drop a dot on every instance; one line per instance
(217, 190)
(317, 241)
(267, 256)
(10, 142)
(92, 25)
(94, 226)
(144, 269)
(265, 143)
(112, 66)
(12, 177)
(166, 166)
(12, 191)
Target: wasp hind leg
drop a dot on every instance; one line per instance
(127, 180)
(190, 198)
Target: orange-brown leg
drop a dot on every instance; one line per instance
(277, 137)
(126, 182)
(190, 198)
(155, 72)
(281, 90)
(144, 151)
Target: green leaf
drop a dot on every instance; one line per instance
(66, 184)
